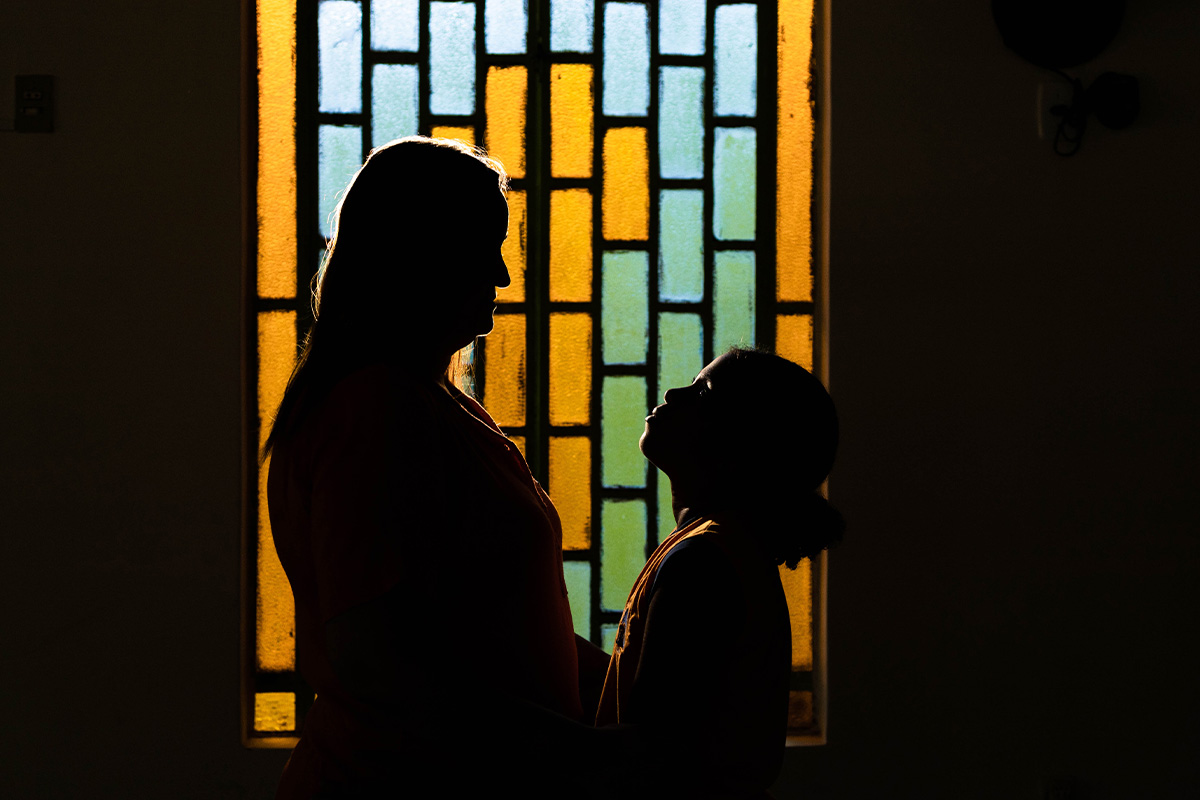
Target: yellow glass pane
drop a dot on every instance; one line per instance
(794, 338)
(794, 170)
(505, 135)
(276, 190)
(463, 134)
(570, 368)
(275, 644)
(519, 441)
(571, 245)
(513, 250)
(797, 585)
(800, 710)
(274, 711)
(571, 129)
(504, 370)
(626, 199)
(570, 479)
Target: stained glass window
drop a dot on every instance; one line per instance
(660, 211)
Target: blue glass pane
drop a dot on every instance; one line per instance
(734, 183)
(624, 308)
(736, 60)
(666, 513)
(394, 25)
(626, 60)
(733, 300)
(504, 25)
(339, 42)
(680, 358)
(571, 24)
(608, 637)
(622, 550)
(339, 155)
(578, 575)
(681, 27)
(393, 102)
(681, 122)
(681, 245)
(452, 58)
(623, 418)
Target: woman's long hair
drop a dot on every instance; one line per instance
(372, 294)
(777, 438)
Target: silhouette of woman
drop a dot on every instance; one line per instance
(703, 652)
(424, 558)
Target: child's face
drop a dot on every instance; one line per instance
(678, 431)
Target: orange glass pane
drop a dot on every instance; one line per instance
(626, 199)
(794, 165)
(462, 133)
(570, 368)
(504, 370)
(505, 134)
(519, 441)
(794, 338)
(513, 250)
(274, 711)
(571, 245)
(797, 585)
(800, 710)
(276, 189)
(275, 646)
(570, 479)
(571, 128)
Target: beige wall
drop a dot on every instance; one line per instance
(1013, 352)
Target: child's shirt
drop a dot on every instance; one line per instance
(703, 658)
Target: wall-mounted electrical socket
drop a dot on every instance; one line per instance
(34, 112)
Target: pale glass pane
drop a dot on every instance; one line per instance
(505, 109)
(571, 127)
(578, 575)
(393, 102)
(570, 369)
(626, 199)
(504, 25)
(794, 338)
(681, 122)
(608, 637)
(504, 373)
(274, 711)
(736, 60)
(681, 245)
(680, 359)
(626, 59)
(571, 24)
(794, 161)
(513, 250)
(571, 245)
(570, 487)
(339, 46)
(622, 550)
(452, 58)
(623, 418)
(681, 27)
(276, 189)
(666, 514)
(339, 155)
(734, 191)
(624, 308)
(395, 25)
(733, 300)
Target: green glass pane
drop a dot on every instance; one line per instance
(681, 122)
(666, 514)
(624, 310)
(571, 24)
(578, 575)
(608, 637)
(452, 58)
(681, 245)
(733, 300)
(394, 25)
(623, 414)
(339, 59)
(680, 350)
(681, 27)
(393, 102)
(339, 154)
(622, 550)
(626, 60)
(736, 60)
(734, 183)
